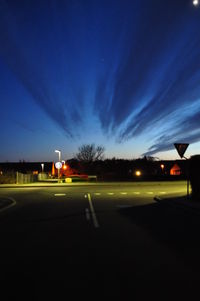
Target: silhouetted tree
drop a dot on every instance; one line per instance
(90, 153)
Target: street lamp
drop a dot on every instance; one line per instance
(59, 159)
(59, 154)
(138, 173)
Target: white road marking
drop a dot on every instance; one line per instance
(123, 192)
(110, 193)
(9, 206)
(87, 213)
(136, 192)
(97, 193)
(162, 192)
(124, 206)
(150, 192)
(59, 194)
(94, 218)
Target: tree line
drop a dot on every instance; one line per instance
(90, 159)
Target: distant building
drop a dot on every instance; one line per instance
(175, 170)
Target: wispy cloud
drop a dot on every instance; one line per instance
(158, 75)
(37, 75)
(186, 131)
(137, 63)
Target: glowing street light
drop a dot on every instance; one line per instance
(64, 166)
(162, 166)
(138, 173)
(59, 154)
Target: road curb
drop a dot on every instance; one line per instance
(66, 184)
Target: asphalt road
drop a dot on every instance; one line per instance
(107, 239)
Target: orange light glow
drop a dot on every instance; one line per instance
(175, 170)
(138, 173)
(162, 166)
(53, 169)
(64, 167)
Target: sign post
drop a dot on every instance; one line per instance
(58, 165)
(181, 148)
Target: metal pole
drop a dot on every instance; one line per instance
(188, 182)
(58, 173)
(59, 158)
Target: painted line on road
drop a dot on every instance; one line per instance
(94, 218)
(110, 193)
(136, 192)
(10, 205)
(150, 192)
(124, 206)
(87, 214)
(97, 193)
(123, 192)
(59, 194)
(162, 192)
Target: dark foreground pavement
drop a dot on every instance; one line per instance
(147, 250)
(182, 202)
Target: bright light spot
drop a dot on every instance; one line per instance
(138, 173)
(162, 166)
(195, 2)
(58, 165)
(65, 167)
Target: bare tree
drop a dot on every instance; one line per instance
(90, 153)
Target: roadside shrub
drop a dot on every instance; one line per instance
(194, 176)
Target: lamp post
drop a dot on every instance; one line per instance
(162, 166)
(59, 159)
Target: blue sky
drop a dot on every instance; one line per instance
(124, 74)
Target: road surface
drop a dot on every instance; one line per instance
(111, 239)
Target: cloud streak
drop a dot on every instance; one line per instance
(158, 76)
(36, 73)
(132, 64)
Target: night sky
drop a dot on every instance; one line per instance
(124, 74)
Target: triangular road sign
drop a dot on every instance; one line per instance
(181, 148)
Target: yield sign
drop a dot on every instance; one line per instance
(181, 148)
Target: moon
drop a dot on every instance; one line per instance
(195, 2)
